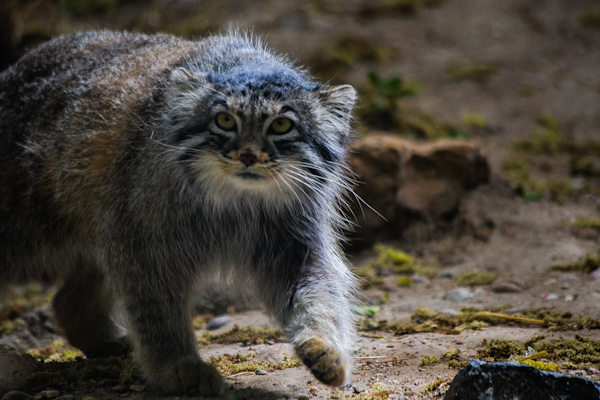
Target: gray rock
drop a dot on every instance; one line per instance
(458, 294)
(507, 285)
(261, 372)
(218, 322)
(16, 395)
(480, 380)
(15, 367)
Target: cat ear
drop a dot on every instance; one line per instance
(184, 79)
(339, 99)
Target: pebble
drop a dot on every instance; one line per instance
(358, 388)
(593, 371)
(569, 298)
(550, 297)
(416, 278)
(137, 388)
(507, 285)
(218, 322)
(16, 395)
(261, 372)
(595, 275)
(458, 294)
(119, 388)
(47, 394)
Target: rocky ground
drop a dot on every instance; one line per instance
(518, 80)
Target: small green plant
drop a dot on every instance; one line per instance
(381, 100)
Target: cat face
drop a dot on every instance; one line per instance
(264, 133)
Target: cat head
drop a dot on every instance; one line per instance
(255, 123)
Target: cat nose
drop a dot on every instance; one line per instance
(248, 159)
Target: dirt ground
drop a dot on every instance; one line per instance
(542, 58)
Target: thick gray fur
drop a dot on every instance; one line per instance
(115, 179)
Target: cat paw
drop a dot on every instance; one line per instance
(191, 376)
(326, 362)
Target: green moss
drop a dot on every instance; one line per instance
(500, 349)
(57, 351)
(545, 366)
(433, 386)
(588, 265)
(475, 120)
(9, 326)
(476, 279)
(458, 364)
(451, 354)
(429, 360)
(233, 364)
(586, 223)
(248, 335)
(545, 138)
(395, 260)
(404, 281)
(69, 376)
(368, 277)
(558, 353)
(478, 72)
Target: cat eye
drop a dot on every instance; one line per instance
(225, 121)
(282, 125)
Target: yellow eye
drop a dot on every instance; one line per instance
(225, 121)
(282, 125)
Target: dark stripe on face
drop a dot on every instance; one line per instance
(190, 131)
(321, 149)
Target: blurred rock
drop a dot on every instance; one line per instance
(458, 294)
(15, 367)
(16, 395)
(404, 181)
(480, 380)
(507, 285)
(218, 322)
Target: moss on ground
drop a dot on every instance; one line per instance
(234, 364)
(557, 354)
(248, 335)
(531, 169)
(588, 265)
(425, 320)
(476, 279)
(83, 373)
(395, 261)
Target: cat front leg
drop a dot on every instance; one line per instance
(157, 305)
(316, 317)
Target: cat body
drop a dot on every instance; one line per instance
(134, 167)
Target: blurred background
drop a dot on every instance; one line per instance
(514, 85)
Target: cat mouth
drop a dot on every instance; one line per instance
(250, 176)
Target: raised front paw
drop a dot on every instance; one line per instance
(191, 376)
(326, 362)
